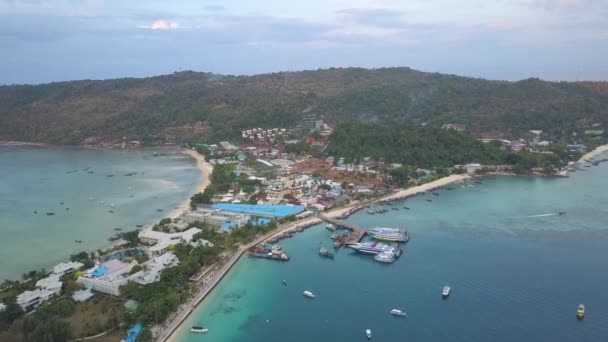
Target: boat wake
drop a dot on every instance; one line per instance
(539, 215)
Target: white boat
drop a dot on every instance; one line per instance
(198, 329)
(308, 294)
(446, 291)
(331, 227)
(371, 247)
(368, 333)
(397, 312)
(386, 257)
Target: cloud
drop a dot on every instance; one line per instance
(558, 4)
(214, 8)
(162, 25)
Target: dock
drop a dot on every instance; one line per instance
(356, 232)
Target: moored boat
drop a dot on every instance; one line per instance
(198, 329)
(330, 226)
(580, 313)
(385, 257)
(371, 247)
(398, 313)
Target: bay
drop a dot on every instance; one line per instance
(518, 270)
(81, 186)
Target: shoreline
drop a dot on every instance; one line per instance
(205, 168)
(593, 153)
(170, 332)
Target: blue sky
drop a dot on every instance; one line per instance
(54, 40)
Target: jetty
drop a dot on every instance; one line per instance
(356, 232)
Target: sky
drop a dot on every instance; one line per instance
(55, 40)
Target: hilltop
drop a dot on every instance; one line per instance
(141, 108)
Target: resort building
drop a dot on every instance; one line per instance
(82, 295)
(107, 278)
(161, 241)
(217, 218)
(153, 268)
(66, 267)
(32, 299)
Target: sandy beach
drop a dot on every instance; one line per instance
(206, 170)
(167, 332)
(597, 151)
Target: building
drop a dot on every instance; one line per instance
(82, 295)
(32, 299)
(216, 218)
(161, 241)
(153, 268)
(107, 277)
(66, 267)
(456, 127)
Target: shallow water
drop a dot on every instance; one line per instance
(91, 183)
(518, 271)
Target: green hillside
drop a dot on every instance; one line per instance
(69, 112)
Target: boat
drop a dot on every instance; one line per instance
(308, 294)
(385, 257)
(428, 200)
(371, 212)
(50, 214)
(371, 247)
(198, 329)
(284, 282)
(368, 333)
(435, 194)
(395, 208)
(330, 226)
(338, 244)
(78, 241)
(406, 208)
(398, 313)
(389, 234)
(275, 252)
(580, 313)
(446, 291)
(299, 230)
(561, 213)
(325, 253)
(115, 237)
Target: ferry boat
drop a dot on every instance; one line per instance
(398, 313)
(198, 329)
(389, 234)
(368, 333)
(446, 291)
(385, 257)
(580, 313)
(308, 294)
(371, 247)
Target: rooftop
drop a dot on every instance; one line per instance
(276, 211)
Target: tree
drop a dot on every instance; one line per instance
(145, 335)
(401, 175)
(131, 237)
(10, 313)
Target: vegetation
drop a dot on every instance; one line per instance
(70, 112)
(223, 179)
(428, 147)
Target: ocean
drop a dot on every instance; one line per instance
(81, 186)
(518, 271)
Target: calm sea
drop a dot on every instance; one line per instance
(518, 271)
(81, 187)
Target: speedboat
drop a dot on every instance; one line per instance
(385, 257)
(308, 294)
(284, 282)
(580, 313)
(446, 291)
(198, 329)
(325, 253)
(368, 333)
(331, 227)
(397, 312)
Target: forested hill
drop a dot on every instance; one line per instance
(69, 112)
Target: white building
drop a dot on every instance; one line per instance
(66, 267)
(153, 268)
(216, 218)
(161, 241)
(107, 278)
(32, 299)
(2, 307)
(82, 295)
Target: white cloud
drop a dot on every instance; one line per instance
(162, 25)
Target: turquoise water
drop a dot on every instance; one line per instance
(517, 269)
(39, 179)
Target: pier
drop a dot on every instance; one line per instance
(356, 234)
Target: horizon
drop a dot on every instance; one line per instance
(60, 40)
